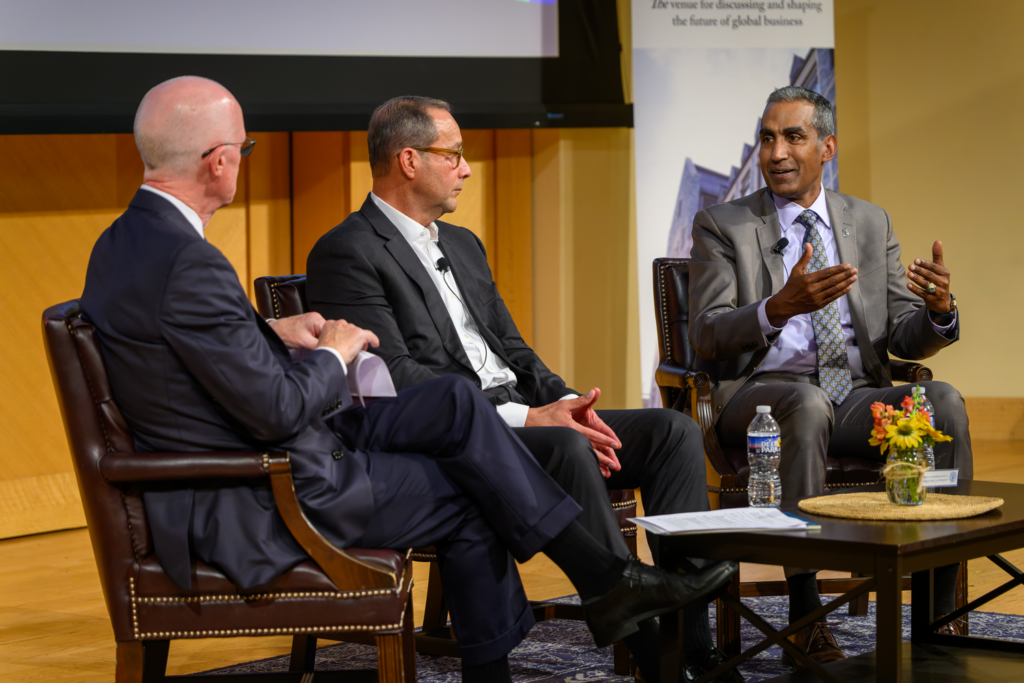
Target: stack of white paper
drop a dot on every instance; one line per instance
(732, 519)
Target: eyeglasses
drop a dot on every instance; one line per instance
(453, 155)
(245, 148)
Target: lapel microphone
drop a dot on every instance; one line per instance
(442, 265)
(779, 247)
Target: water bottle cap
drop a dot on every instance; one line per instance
(764, 410)
(920, 390)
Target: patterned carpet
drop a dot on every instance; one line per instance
(560, 650)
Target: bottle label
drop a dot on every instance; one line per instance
(763, 445)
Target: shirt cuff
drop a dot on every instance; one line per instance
(942, 329)
(336, 354)
(514, 414)
(762, 317)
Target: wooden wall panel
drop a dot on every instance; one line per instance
(320, 189)
(270, 221)
(57, 194)
(476, 202)
(513, 225)
(552, 265)
(360, 176)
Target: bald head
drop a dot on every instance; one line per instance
(180, 119)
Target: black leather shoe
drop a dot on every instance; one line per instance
(645, 592)
(699, 663)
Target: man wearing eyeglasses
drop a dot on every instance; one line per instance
(424, 287)
(194, 368)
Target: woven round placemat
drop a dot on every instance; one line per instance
(877, 506)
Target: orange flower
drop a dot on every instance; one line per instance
(908, 404)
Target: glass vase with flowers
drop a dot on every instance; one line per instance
(903, 433)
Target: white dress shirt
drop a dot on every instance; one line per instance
(196, 222)
(795, 350)
(490, 368)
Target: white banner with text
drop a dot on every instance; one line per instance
(702, 71)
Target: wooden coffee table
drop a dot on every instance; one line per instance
(884, 552)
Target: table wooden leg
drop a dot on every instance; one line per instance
(670, 647)
(922, 605)
(889, 620)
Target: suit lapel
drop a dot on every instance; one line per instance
(768, 235)
(406, 258)
(844, 232)
(460, 264)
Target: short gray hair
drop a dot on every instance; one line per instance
(824, 113)
(399, 123)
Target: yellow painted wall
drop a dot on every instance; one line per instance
(929, 98)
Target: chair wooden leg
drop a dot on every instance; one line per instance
(727, 622)
(390, 659)
(141, 661)
(303, 654)
(623, 659)
(858, 607)
(409, 642)
(435, 614)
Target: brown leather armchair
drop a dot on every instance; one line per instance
(285, 295)
(336, 592)
(688, 390)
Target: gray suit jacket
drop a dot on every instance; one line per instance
(733, 270)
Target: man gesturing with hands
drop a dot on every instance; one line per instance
(797, 298)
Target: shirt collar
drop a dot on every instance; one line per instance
(412, 231)
(191, 216)
(788, 211)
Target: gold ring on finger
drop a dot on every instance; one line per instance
(931, 287)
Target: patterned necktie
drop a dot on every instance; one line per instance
(833, 363)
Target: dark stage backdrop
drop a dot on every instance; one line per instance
(96, 92)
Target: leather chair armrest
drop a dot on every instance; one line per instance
(346, 571)
(910, 372)
(669, 374)
(140, 467)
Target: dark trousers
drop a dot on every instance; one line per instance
(662, 454)
(447, 471)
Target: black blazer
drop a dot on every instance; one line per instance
(194, 368)
(365, 272)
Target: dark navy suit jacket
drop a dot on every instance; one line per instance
(365, 272)
(195, 368)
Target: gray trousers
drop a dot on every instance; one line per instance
(812, 427)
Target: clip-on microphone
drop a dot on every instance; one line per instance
(779, 247)
(442, 265)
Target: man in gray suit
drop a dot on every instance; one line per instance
(798, 297)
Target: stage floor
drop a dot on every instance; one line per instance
(54, 626)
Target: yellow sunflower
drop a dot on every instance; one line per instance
(905, 434)
(935, 434)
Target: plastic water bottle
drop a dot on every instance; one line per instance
(928, 450)
(764, 489)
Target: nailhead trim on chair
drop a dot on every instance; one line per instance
(664, 312)
(422, 557)
(624, 504)
(273, 298)
(164, 635)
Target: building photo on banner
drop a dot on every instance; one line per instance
(700, 81)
